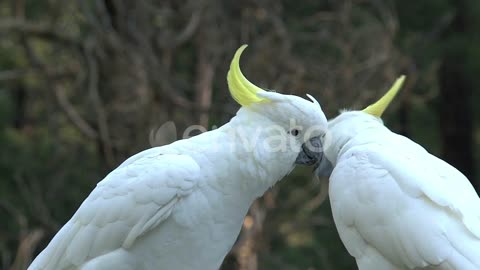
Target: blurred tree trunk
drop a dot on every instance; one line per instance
(27, 245)
(208, 45)
(455, 104)
(20, 100)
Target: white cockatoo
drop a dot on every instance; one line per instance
(181, 206)
(395, 205)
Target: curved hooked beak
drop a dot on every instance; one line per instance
(311, 153)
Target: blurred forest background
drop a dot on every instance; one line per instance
(85, 84)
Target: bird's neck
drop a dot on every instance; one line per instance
(260, 167)
(236, 153)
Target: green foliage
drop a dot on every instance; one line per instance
(422, 15)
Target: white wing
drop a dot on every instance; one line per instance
(405, 209)
(130, 201)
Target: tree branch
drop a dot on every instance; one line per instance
(72, 114)
(97, 103)
(42, 31)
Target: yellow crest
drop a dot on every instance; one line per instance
(241, 89)
(377, 108)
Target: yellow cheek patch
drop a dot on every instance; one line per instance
(377, 108)
(241, 89)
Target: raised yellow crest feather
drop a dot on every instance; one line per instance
(241, 89)
(379, 107)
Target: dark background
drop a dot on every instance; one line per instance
(85, 84)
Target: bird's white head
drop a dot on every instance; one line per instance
(281, 125)
(349, 124)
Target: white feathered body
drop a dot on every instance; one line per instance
(175, 207)
(143, 190)
(181, 206)
(395, 205)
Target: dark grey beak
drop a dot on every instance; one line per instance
(311, 153)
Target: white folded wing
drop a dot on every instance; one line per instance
(130, 201)
(402, 208)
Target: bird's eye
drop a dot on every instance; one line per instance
(294, 132)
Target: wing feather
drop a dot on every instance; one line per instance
(414, 209)
(427, 175)
(132, 200)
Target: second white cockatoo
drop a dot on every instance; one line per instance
(395, 205)
(181, 206)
